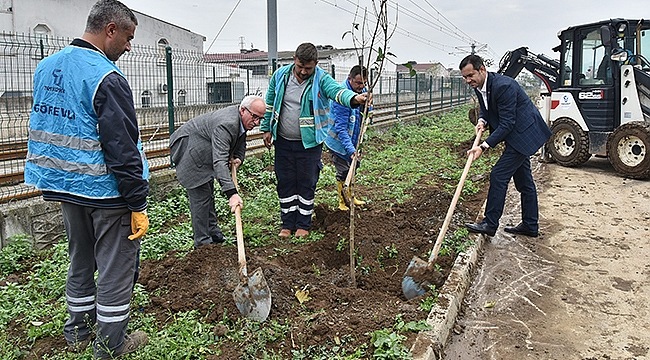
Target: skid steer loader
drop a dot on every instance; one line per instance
(598, 94)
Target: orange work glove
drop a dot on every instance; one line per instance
(139, 224)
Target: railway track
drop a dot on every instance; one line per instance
(156, 144)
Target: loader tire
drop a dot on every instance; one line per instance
(569, 144)
(628, 147)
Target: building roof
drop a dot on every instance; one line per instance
(324, 52)
(419, 67)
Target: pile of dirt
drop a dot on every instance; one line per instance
(387, 236)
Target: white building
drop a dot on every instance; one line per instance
(67, 18)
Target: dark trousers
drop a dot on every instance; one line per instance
(342, 166)
(515, 166)
(98, 240)
(297, 170)
(204, 216)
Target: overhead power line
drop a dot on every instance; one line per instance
(223, 26)
(444, 17)
(432, 21)
(441, 27)
(398, 29)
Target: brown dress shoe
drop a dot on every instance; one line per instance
(302, 233)
(284, 233)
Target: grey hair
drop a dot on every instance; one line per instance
(107, 11)
(247, 101)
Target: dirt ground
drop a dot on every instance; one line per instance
(206, 278)
(580, 290)
(387, 237)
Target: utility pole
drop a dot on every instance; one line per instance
(272, 29)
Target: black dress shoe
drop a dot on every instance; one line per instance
(521, 229)
(481, 228)
(218, 239)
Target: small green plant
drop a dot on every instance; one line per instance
(457, 243)
(426, 304)
(363, 269)
(12, 256)
(389, 345)
(342, 244)
(391, 251)
(312, 237)
(411, 326)
(315, 269)
(388, 252)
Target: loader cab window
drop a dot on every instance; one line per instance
(567, 62)
(645, 49)
(595, 64)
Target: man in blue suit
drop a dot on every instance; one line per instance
(513, 119)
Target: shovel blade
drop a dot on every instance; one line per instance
(347, 197)
(412, 283)
(253, 298)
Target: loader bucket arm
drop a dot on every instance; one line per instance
(643, 88)
(541, 66)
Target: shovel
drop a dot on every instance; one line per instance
(252, 295)
(348, 197)
(416, 277)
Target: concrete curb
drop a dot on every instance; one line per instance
(429, 344)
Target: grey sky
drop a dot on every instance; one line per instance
(501, 24)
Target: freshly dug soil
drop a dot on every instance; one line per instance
(387, 236)
(206, 278)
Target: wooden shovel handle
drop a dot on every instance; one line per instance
(241, 253)
(452, 206)
(353, 165)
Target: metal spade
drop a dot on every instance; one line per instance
(252, 295)
(418, 275)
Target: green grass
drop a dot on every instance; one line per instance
(36, 309)
(415, 153)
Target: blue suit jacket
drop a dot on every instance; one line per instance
(512, 116)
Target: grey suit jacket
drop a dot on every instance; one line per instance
(202, 147)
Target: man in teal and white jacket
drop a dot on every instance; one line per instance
(296, 122)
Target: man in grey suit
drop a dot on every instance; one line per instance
(202, 150)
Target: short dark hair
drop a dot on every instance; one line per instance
(475, 60)
(107, 11)
(306, 52)
(359, 70)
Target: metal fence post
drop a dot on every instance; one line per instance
(42, 49)
(333, 72)
(442, 91)
(416, 93)
(430, 91)
(451, 93)
(248, 82)
(170, 93)
(397, 96)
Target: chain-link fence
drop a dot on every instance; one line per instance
(171, 86)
